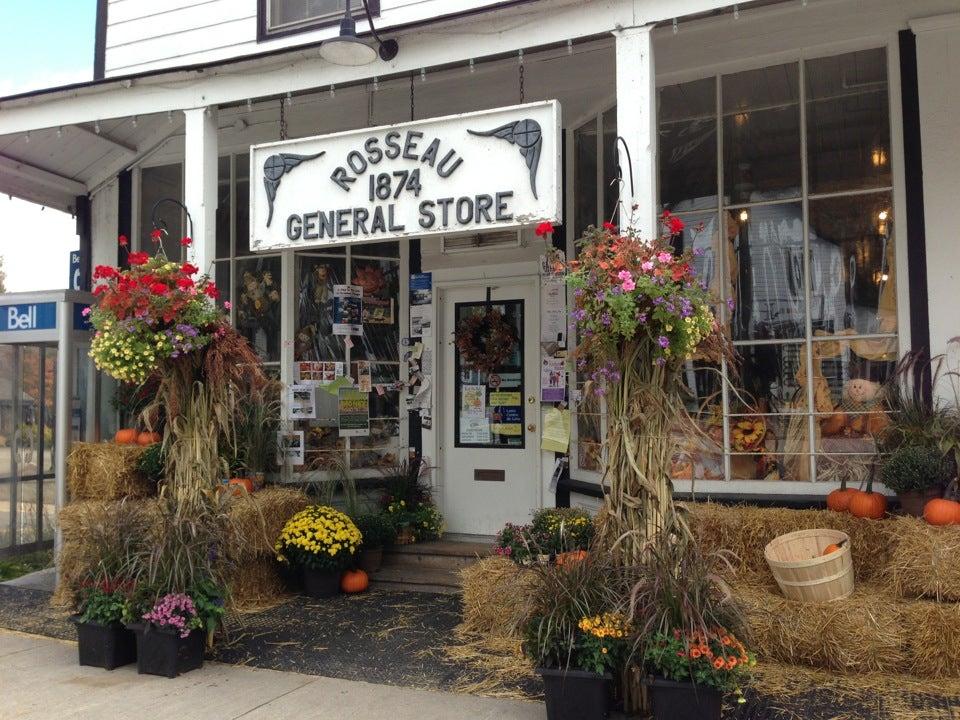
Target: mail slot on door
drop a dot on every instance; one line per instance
(489, 475)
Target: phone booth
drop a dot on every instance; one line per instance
(48, 398)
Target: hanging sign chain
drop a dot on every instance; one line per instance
(521, 77)
(412, 104)
(283, 120)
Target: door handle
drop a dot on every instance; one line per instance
(531, 428)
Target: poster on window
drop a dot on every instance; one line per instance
(302, 402)
(364, 377)
(474, 430)
(420, 325)
(421, 288)
(347, 310)
(353, 412)
(552, 380)
(473, 401)
(553, 314)
(290, 446)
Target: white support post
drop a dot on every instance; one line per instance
(200, 184)
(637, 128)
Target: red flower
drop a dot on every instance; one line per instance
(123, 241)
(138, 258)
(156, 235)
(610, 226)
(184, 283)
(104, 271)
(100, 289)
(185, 241)
(188, 269)
(159, 288)
(544, 228)
(211, 291)
(676, 225)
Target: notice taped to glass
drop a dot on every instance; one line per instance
(353, 413)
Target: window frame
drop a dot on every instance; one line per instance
(266, 32)
(813, 486)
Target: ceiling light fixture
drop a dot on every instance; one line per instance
(348, 49)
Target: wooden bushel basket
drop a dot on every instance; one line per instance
(804, 573)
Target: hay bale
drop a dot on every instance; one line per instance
(746, 529)
(871, 631)
(256, 585)
(925, 560)
(497, 596)
(257, 519)
(106, 471)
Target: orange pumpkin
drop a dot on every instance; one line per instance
(832, 548)
(240, 486)
(839, 500)
(568, 558)
(148, 438)
(942, 512)
(354, 581)
(126, 436)
(868, 504)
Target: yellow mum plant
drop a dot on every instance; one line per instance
(320, 537)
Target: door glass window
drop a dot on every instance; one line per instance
(489, 405)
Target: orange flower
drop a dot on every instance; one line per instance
(695, 653)
(731, 663)
(718, 663)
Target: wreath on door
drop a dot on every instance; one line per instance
(485, 340)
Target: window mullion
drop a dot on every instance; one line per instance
(725, 315)
(808, 323)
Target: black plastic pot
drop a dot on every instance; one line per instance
(105, 646)
(672, 700)
(575, 694)
(164, 652)
(321, 583)
(370, 560)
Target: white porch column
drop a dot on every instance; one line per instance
(637, 126)
(200, 184)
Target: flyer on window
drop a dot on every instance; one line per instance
(290, 447)
(353, 412)
(420, 323)
(553, 383)
(347, 310)
(302, 402)
(364, 378)
(473, 401)
(421, 288)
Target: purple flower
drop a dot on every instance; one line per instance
(642, 318)
(730, 304)
(660, 361)
(578, 292)
(698, 251)
(600, 296)
(579, 314)
(606, 319)
(664, 341)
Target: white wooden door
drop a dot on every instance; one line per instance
(489, 421)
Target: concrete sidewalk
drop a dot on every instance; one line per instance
(40, 679)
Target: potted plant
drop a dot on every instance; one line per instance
(102, 639)
(401, 520)
(560, 530)
(693, 671)
(377, 531)
(513, 542)
(320, 542)
(916, 474)
(172, 634)
(426, 522)
(578, 636)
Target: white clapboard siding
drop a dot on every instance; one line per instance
(144, 35)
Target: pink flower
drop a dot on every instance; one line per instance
(664, 257)
(227, 305)
(628, 285)
(624, 275)
(648, 265)
(85, 311)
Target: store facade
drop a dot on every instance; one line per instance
(797, 141)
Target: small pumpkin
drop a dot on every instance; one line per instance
(354, 581)
(571, 557)
(942, 512)
(125, 436)
(148, 438)
(240, 486)
(867, 503)
(839, 499)
(832, 548)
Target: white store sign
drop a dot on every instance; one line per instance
(488, 170)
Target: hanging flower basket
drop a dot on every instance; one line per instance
(485, 341)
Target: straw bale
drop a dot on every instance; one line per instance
(256, 585)
(871, 631)
(746, 529)
(106, 471)
(497, 597)
(925, 560)
(259, 518)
